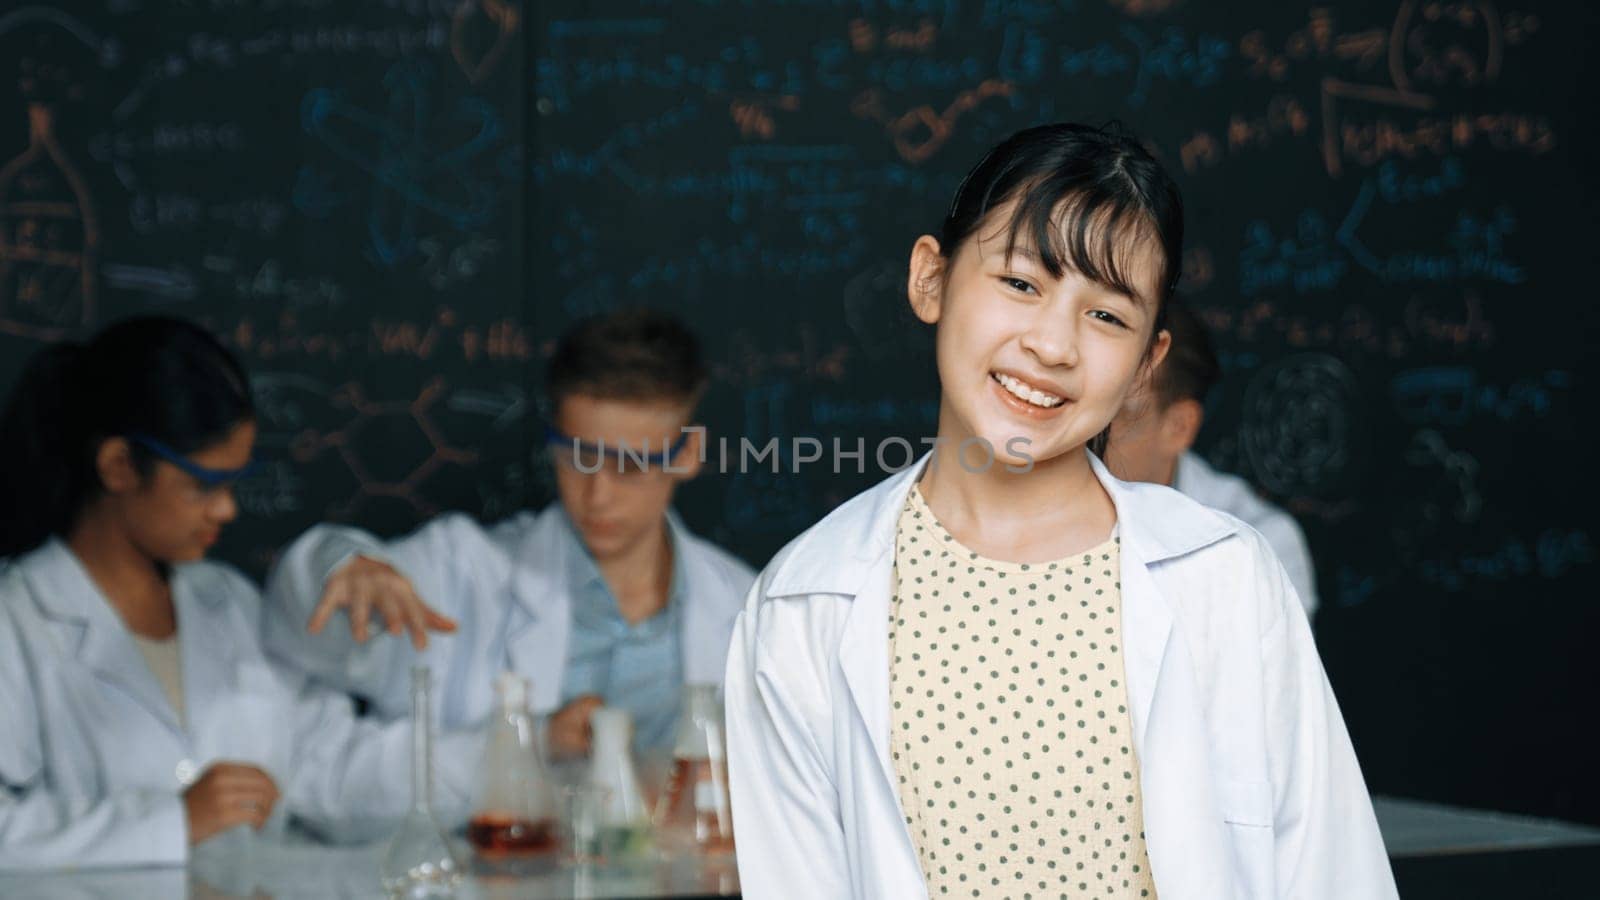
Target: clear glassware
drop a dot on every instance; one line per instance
(420, 863)
(693, 815)
(625, 829)
(515, 811)
(583, 807)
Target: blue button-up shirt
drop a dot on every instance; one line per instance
(637, 668)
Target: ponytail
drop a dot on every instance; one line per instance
(42, 475)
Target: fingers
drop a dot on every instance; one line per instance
(365, 588)
(247, 794)
(415, 620)
(228, 795)
(334, 596)
(437, 621)
(570, 730)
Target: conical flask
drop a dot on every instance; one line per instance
(625, 829)
(692, 814)
(420, 862)
(48, 238)
(515, 810)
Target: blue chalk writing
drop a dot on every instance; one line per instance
(1454, 395)
(1553, 554)
(1305, 263)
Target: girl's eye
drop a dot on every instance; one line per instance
(1016, 284)
(1104, 316)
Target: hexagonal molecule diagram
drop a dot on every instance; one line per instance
(391, 447)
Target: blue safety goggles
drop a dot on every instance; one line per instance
(593, 456)
(208, 477)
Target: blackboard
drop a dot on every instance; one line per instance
(391, 209)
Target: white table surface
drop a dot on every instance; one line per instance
(243, 867)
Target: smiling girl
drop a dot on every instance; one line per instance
(1029, 679)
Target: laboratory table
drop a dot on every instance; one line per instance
(1438, 851)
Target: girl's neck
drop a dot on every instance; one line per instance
(134, 584)
(1057, 509)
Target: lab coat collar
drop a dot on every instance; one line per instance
(69, 595)
(851, 554)
(552, 563)
(835, 556)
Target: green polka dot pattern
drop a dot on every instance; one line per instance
(1009, 714)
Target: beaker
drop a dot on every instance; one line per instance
(515, 809)
(420, 863)
(625, 829)
(692, 815)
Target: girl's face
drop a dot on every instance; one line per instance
(169, 514)
(1033, 364)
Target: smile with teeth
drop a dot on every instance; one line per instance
(1019, 389)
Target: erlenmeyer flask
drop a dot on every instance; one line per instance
(692, 814)
(515, 811)
(48, 238)
(420, 862)
(625, 819)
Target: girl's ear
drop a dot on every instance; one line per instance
(925, 283)
(1152, 359)
(113, 461)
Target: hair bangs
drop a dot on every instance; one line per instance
(1099, 231)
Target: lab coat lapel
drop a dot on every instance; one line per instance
(104, 644)
(206, 646)
(1146, 630)
(702, 624)
(864, 657)
(702, 663)
(1189, 853)
(537, 648)
(1184, 831)
(864, 568)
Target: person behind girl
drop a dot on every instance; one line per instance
(138, 712)
(1153, 440)
(1020, 676)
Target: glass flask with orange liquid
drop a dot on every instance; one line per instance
(515, 813)
(692, 814)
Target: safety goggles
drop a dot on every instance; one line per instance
(207, 477)
(589, 457)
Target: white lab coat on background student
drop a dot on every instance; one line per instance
(509, 589)
(1251, 788)
(94, 759)
(1233, 495)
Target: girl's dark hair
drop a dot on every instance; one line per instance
(158, 377)
(1082, 192)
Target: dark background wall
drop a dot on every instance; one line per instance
(391, 208)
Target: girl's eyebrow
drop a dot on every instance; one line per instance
(1027, 252)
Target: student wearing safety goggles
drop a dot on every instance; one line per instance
(602, 598)
(139, 712)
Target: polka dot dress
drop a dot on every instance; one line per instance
(1009, 711)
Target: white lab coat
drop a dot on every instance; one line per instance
(1233, 495)
(93, 759)
(507, 587)
(1251, 788)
